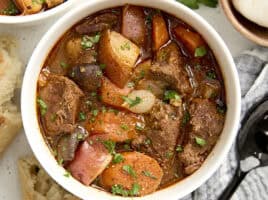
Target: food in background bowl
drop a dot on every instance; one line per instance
(131, 100)
(27, 7)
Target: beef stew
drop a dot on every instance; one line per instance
(131, 100)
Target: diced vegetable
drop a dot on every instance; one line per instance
(29, 6)
(139, 101)
(190, 39)
(200, 51)
(109, 124)
(87, 76)
(132, 171)
(90, 160)
(160, 32)
(141, 71)
(111, 94)
(52, 3)
(210, 89)
(119, 55)
(133, 24)
(74, 48)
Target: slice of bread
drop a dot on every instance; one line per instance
(10, 78)
(37, 185)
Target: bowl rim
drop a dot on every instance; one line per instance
(227, 66)
(27, 19)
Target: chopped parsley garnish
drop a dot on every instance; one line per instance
(132, 102)
(53, 117)
(110, 146)
(135, 189)
(67, 174)
(139, 126)
(200, 141)
(102, 66)
(200, 51)
(169, 154)
(88, 41)
(118, 158)
(148, 174)
(179, 148)
(124, 127)
(64, 65)
(42, 106)
(125, 46)
(127, 147)
(148, 141)
(112, 110)
(95, 112)
(82, 116)
(118, 189)
(60, 161)
(80, 136)
(98, 73)
(93, 94)
(221, 108)
(194, 4)
(211, 75)
(171, 94)
(10, 10)
(186, 118)
(130, 84)
(129, 170)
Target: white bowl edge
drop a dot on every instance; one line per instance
(228, 69)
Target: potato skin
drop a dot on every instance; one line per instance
(140, 163)
(90, 160)
(119, 55)
(160, 32)
(133, 24)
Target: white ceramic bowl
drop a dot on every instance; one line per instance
(175, 191)
(38, 18)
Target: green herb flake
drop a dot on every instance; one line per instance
(139, 126)
(60, 161)
(42, 106)
(119, 190)
(102, 66)
(129, 170)
(130, 84)
(93, 94)
(67, 174)
(211, 75)
(132, 102)
(124, 127)
(95, 112)
(53, 117)
(82, 116)
(11, 9)
(99, 73)
(171, 94)
(125, 46)
(179, 148)
(127, 147)
(118, 158)
(110, 146)
(148, 141)
(169, 154)
(148, 174)
(135, 190)
(200, 141)
(80, 136)
(87, 42)
(200, 51)
(64, 65)
(186, 118)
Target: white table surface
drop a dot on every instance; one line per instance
(28, 37)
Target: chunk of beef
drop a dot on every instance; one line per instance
(61, 97)
(97, 24)
(206, 123)
(164, 121)
(169, 66)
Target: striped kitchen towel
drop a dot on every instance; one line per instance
(252, 67)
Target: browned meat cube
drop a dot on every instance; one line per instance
(60, 96)
(207, 123)
(169, 67)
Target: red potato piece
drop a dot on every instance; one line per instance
(90, 160)
(117, 127)
(133, 24)
(160, 32)
(190, 39)
(147, 170)
(111, 94)
(119, 55)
